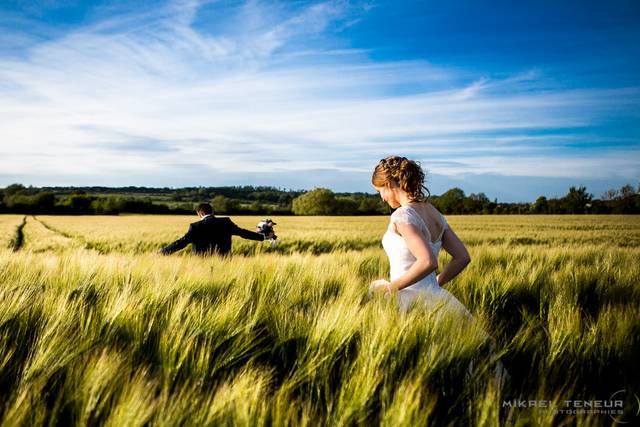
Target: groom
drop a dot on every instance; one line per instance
(211, 234)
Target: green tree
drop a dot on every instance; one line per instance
(576, 200)
(627, 191)
(320, 201)
(45, 202)
(452, 201)
(77, 203)
(626, 203)
(540, 206)
(610, 194)
(223, 204)
(475, 202)
(346, 206)
(14, 189)
(108, 205)
(370, 205)
(258, 207)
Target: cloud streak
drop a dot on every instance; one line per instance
(147, 91)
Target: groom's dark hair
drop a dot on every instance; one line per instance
(204, 208)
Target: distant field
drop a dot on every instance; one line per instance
(97, 329)
(139, 234)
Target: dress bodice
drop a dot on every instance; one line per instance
(400, 257)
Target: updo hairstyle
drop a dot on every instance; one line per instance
(406, 174)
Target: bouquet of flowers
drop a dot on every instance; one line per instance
(265, 227)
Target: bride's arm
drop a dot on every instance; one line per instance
(426, 262)
(454, 246)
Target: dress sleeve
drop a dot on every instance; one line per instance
(404, 215)
(445, 224)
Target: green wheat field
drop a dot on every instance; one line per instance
(96, 328)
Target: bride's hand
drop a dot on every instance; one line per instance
(379, 286)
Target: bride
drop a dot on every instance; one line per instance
(416, 232)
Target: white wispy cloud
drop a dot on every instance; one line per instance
(149, 92)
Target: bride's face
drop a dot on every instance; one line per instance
(389, 195)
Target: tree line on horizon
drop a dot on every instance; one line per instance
(250, 200)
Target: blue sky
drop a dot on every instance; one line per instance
(515, 99)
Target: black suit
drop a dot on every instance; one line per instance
(211, 235)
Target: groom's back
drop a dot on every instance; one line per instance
(212, 235)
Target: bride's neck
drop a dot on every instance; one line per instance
(405, 200)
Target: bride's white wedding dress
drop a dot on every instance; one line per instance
(401, 259)
(426, 290)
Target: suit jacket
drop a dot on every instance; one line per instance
(211, 235)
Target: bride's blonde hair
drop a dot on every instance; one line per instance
(406, 174)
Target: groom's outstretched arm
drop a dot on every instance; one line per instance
(245, 234)
(178, 244)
